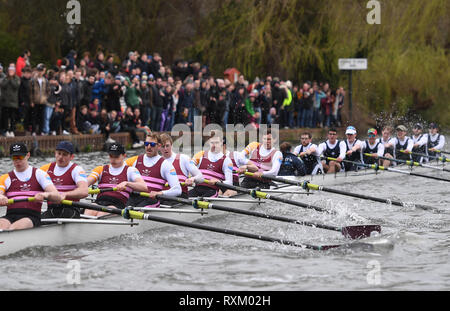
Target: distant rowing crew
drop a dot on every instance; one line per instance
(384, 150)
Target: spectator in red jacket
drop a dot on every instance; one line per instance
(21, 63)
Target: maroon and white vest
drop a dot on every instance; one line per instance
(151, 175)
(22, 190)
(212, 170)
(65, 182)
(264, 164)
(110, 181)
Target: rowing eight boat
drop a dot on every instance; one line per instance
(71, 232)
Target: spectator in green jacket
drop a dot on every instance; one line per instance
(287, 108)
(133, 93)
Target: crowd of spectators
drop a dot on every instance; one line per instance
(81, 95)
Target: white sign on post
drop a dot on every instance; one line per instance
(352, 63)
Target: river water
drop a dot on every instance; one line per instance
(415, 256)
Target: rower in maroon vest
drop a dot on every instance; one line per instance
(186, 170)
(22, 183)
(69, 179)
(241, 163)
(156, 172)
(215, 166)
(266, 158)
(117, 175)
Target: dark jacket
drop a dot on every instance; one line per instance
(10, 92)
(112, 98)
(291, 166)
(25, 91)
(87, 93)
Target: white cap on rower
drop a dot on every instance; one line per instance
(350, 130)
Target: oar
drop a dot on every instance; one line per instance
(444, 152)
(441, 159)
(408, 162)
(310, 186)
(126, 213)
(353, 232)
(263, 195)
(379, 167)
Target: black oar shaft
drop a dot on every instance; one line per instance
(307, 185)
(353, 232)
(394, 170)
(252, 213)
(236, 233)
(275, 198)
(139, 215)
(370, 198)
(443, 158)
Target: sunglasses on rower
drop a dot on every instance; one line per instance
(151, 144)
(18, 157)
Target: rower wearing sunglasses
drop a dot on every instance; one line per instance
(117, 175)
(156, 172)
(69, 179)
(186, 170)
(372, 146)
(24, 182)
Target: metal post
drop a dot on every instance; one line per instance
(350, 95)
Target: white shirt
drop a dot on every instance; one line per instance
(357, 142)
(342, 148)
(384, 142)
(380, 149)
(239, 158)
(422, 141)
(410, 145)
(277, 159)
(298, 148)
(433, 138)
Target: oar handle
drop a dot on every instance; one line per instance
(98, 191)
(12, 201)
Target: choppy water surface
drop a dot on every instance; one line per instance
(413, 257)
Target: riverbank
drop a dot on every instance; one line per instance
(45, 145)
